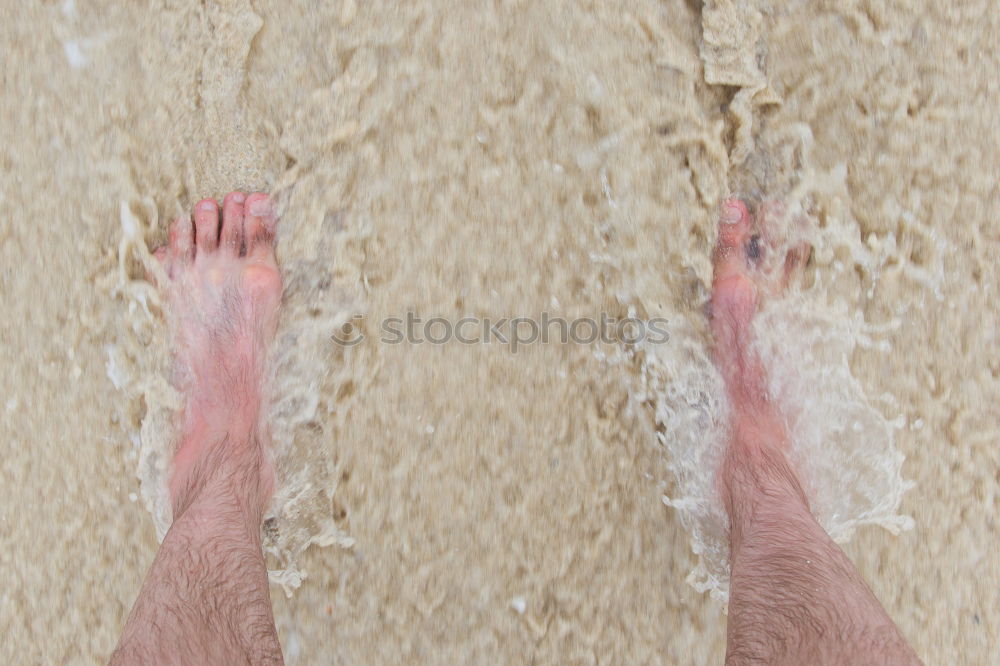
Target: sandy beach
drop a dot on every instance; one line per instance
(469, 503)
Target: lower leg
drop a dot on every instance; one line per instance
(205, 598)
(795, 598)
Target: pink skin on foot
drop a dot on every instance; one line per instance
(224, 290)
(736, 288)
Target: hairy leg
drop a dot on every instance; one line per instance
(205, 599)
(795, 598)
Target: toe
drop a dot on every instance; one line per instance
(795, 263)
(780, 230)
(734, 238)
(734, 222)
(734, 295)
(231, 236)
(206, 223)
(182, 240)
(259, 226)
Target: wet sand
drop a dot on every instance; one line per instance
(495, 159)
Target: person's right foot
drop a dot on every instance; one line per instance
(757, 426)
(224, 290)
(790, 585)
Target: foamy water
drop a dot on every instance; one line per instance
(843, 438)
(501, 160)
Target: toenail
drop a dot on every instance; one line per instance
(206, 205)
(238, 197)
(731, 214)
(260, 208)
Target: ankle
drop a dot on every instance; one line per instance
(226, 474)
(221, 509)
(759, 486)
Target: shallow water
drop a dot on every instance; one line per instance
(462, 502)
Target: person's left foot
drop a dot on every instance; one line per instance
(224, 290)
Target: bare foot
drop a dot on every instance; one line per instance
(757, 426)
(794, 597)
(224, 290)
(205, 599)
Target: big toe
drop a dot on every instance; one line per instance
(734, 237)
(206, 223)
(734, 294)
(259, 225)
